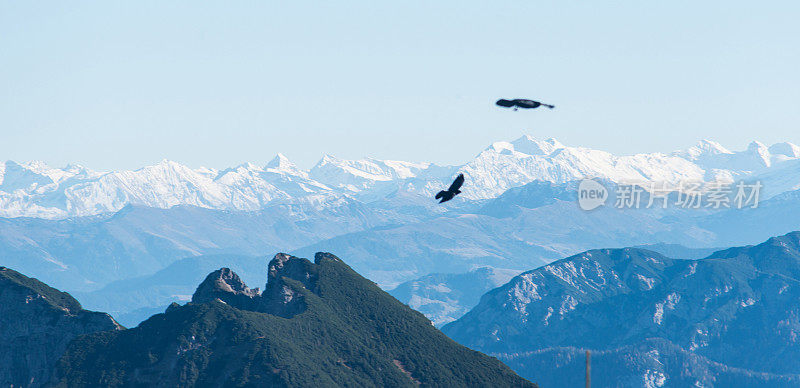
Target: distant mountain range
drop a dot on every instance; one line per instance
(730, 319)
(88, 252)
(390, 242)
(34, 189)
(518, 211)
(133, 242)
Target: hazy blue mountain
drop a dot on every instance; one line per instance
(444, 298)
(448, 244)
(86, 253)
(530, 196)
(133, 300)
(738, 307)
(772, 217)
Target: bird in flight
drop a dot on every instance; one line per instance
(452, 191)
(521, 103)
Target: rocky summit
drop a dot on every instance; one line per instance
(36, 324)
(315, 324)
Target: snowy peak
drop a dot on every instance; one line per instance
(528, 145)
(756, 146)
(760, 153)
(703, 149)
(280, 163)
(358, 175)
(501, 146)
(326, 159)
(786, 149)
(18, 177)
(399, 169)
(756, 158)
(506, 165)
(37, 174)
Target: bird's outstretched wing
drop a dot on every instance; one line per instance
(456, 183)
(504, 103)
(440, 195)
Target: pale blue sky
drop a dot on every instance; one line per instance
(122, 84)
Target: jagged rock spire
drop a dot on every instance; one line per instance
(225, 285)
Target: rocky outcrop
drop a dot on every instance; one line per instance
(225, 285)
(37, 323)
(285, 275)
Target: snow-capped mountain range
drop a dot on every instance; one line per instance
(34, 189)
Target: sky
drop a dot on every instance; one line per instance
(119, 85)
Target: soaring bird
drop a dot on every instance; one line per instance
(451, 192)
(521, 103)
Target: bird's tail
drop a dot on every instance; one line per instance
(440, 194)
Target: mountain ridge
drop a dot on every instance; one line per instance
(37, 322)
(315, 324)
(736, 307)
(34, 189)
